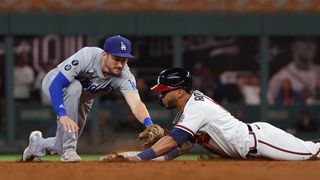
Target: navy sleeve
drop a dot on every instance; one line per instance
(180, 136)
(56, 93)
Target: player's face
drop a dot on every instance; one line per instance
(112, 65)
(169, 99)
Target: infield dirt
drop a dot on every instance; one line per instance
(176, 170)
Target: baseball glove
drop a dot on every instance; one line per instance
(114, 157)
(152, 134)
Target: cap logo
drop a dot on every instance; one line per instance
(123, 47)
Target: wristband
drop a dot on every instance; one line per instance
(148, 154)
(147, 121)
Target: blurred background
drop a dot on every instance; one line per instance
(260, 59)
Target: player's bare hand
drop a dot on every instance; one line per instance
(68, 124)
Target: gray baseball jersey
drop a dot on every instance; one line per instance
(84, 66)
(87, 82)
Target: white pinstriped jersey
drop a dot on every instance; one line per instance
(85, 67)
(213, 127)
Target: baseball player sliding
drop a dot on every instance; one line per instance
(72, 88)
(201, 120)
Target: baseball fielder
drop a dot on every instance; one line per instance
(72, 88)
(201, 120)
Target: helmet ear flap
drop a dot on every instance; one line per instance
(189, 86)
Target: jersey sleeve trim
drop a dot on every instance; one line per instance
(184, 129)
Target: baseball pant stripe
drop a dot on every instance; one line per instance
(284, 150)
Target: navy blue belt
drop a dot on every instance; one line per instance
(254, 150)
(249, 128)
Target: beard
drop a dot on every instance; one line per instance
(113, 71)
(171, 105)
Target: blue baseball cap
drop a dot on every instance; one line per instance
(118, 46)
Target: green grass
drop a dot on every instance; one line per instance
(10, 157)
(188, 157)
(85, 157)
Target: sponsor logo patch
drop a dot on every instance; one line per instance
(67, 67)
(75, 62)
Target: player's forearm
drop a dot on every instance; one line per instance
(169, 156)
(172, 154)
(163, 146)
(178, 151)
(141, 113)
(138, 108)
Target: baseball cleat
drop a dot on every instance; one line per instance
(70, 155)
(28, 152)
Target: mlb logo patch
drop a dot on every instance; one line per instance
(181, 118)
